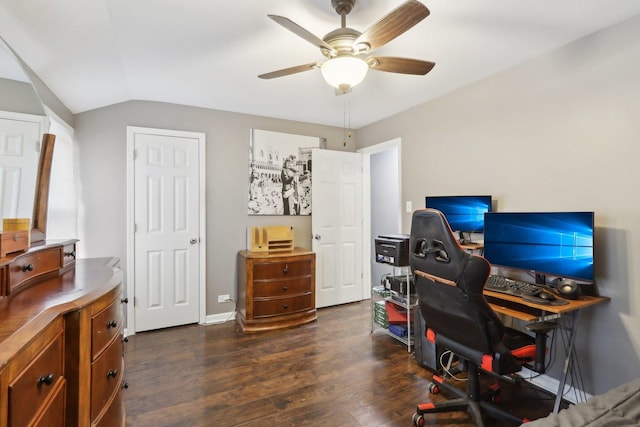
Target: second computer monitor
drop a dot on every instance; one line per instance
(464, 213)
(555, 243)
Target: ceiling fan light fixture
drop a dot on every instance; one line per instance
(345, 47)
(344, 72)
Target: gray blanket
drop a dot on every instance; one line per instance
(619, 407)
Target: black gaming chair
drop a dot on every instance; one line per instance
(449, 283)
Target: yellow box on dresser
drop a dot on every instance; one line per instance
(16, 224)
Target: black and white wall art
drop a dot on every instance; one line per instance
(280, 173)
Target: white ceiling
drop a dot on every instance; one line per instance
(208, 53)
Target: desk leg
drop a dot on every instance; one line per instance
(569, 359)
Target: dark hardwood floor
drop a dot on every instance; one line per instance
(332, 373)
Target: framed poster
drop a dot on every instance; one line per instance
(280, 173)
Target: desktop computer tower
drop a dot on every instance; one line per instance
(426, 353)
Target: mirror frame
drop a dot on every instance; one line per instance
(41, 199)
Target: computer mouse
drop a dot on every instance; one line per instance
(546, 296)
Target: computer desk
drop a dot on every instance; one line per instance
(472, 245)
(516, 307)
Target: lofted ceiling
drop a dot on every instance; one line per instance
(208, 53)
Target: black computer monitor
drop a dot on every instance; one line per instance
(464, 213)
(546, 243)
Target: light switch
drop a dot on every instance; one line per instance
(409, 206)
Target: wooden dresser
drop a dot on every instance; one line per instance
(276, 290)
(61, 332)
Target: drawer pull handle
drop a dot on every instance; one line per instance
(28, 267)
(284, 288)
(125, 339)
(112, 324)
(125, 300)
(285, 270)
(285, 306)
(125, 385)
(46, 379)
(112, 373)
(70, 254)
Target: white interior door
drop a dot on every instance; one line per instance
(19, 153)
(167, 243)
(337, 226)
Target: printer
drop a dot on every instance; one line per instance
(392, 249)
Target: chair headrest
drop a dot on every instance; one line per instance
(423, 247)
(433, 247)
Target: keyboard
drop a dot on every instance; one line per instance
(512, 287)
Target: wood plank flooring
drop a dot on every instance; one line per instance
(332, 373)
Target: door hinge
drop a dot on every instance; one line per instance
(135, 154)
(134, 301)
(135, 228)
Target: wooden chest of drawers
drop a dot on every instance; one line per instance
(276, 290)
(61, 332)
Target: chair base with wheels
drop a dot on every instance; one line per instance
(472, 400)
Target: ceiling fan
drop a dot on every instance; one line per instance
(348, 50)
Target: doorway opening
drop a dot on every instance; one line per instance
(382, 193)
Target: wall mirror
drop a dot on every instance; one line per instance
(26, 149)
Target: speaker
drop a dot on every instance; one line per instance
(568, 289)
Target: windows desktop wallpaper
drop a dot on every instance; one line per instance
(556, 243)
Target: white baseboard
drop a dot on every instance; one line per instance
(213, 319)
(550, 384)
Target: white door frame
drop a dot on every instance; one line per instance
(130, 276)
(367, 152)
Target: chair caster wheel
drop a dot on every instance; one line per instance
(433, 388)
(418, 420)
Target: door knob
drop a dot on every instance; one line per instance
(317, 236)
(193, 241)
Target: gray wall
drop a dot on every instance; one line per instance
(101, 136)
(560, 132)
(19, 97)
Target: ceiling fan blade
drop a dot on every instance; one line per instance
(391, 26)
(290, 70)
(400, 65)
(301, 32)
